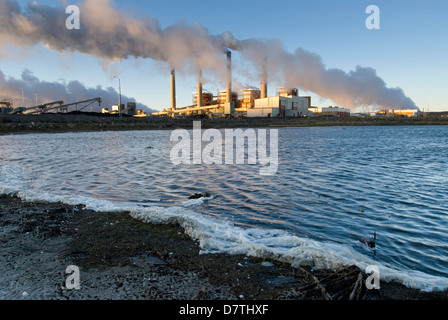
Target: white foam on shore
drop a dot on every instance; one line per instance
(11, 179)
(215, 235)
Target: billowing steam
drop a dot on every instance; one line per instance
(23, 90)
(110, 34)
(305, 70)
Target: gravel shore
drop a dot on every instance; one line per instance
(121, 258)
(85, 122)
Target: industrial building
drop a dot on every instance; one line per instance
(287, 103)
(254, 102)
(130, 110)
(336, 112)
(204, 103)
(331, 111)
(249, 97)
(54, 106)
(6, 107)
(398, 112)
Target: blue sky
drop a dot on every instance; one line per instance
(409, 51)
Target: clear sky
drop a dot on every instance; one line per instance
(410, 50)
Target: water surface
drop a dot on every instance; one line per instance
(334, 185)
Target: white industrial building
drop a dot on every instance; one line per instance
(284, 104)
(331, 111)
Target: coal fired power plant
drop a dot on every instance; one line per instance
(186, 49)
(226, 103)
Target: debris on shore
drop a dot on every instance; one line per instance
(205, 194)
(122, 258)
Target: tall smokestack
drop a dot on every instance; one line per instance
(199, 96)
(229, 76)
(264, 90)
(173, 89)
(264, 82)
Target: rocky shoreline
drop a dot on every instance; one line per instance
(85, 122)
(121, 258)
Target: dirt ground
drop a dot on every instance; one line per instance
(121, 258)
(89, 122)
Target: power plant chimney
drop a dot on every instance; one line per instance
(199, 96)
(264, 82)
(264, 90)
(173, 89)
(229, 76)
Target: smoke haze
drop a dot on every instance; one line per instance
(72, 91)
(110, 34)
(306, 70)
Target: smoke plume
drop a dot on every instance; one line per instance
(72, 91)
(306, 70)
(111, 34)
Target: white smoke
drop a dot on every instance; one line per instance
(108, 33)
(111, 34)
(306, 70)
